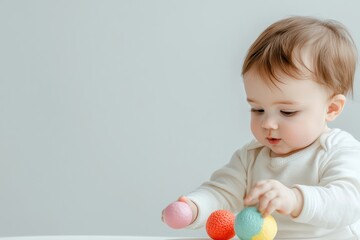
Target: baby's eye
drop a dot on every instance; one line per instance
(257, 110)
(288, 113)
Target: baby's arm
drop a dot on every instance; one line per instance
(331, 203)
(225, 190)
(335, 201)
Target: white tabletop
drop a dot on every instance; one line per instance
(98, 238)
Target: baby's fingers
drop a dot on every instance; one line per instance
(265, 201)
(271, 207)
(254, 195)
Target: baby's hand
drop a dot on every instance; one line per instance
(179, 214)
(271, 195)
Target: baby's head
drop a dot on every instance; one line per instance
(305, 47)
(296, 76)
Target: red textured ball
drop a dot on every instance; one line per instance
(220, 225)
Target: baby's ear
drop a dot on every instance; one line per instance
(335, 107)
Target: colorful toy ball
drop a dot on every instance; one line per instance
(250, 225)
(220, 225)
(177, 215)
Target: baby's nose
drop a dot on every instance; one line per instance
(269, 123)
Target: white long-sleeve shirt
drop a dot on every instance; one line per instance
(326, 172)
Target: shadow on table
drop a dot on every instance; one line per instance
(234, 238)
(191, 238)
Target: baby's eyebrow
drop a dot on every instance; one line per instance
(250, 100)
(285, 102)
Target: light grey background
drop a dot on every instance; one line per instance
(110, 110)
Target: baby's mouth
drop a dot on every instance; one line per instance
(273, 141)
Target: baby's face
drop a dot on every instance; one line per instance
(287, 117)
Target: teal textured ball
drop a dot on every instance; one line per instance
(250, 225)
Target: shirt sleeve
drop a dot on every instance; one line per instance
(224, 190)
(335, 201)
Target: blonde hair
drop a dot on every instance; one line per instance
(333, 52)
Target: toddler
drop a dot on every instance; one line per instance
(306, 175)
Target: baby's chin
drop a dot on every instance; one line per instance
(280, 154)
(281, 149)
(285, 153)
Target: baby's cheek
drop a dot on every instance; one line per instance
(256, 129)
(291, 131)
(299, 136)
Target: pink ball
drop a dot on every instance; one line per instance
(178, 215)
